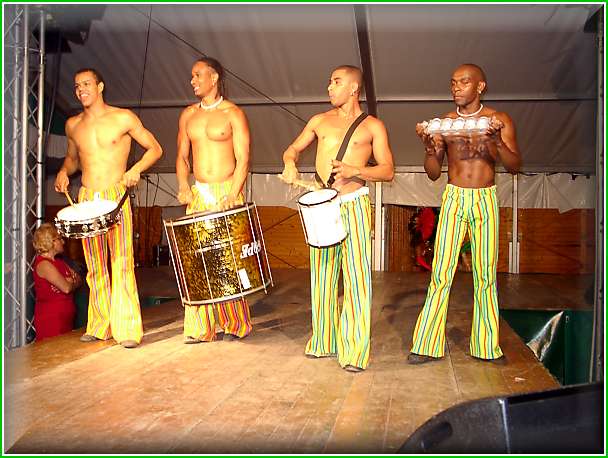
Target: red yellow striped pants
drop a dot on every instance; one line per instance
(462, 210)
(233, 316)
(344, 330)
(113, 303)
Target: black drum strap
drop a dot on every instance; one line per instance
(342, 150)
(123, 199)
(121, 202)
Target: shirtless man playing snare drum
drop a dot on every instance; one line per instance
(216, 131)
(346, 335)
(99, 142)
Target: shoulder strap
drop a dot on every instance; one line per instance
(343, 146)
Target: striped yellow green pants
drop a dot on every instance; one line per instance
(233, 316)
(345, 330)
(113, 303)
(462, 210)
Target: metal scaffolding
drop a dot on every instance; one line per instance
(23, 91)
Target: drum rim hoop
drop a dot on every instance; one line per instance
(335, 196)
(226, 298)
(328, 246)
(86, 235)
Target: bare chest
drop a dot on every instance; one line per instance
(213, 126)
(104, 135)
(330, 138)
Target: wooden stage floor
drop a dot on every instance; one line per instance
(261, 395)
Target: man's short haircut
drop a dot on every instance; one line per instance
(478, 69)
(215, 65)
(355, 72)
(95, 73)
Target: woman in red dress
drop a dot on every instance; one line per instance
(54, 283)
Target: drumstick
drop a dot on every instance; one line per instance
(310, 185)
(67, 194)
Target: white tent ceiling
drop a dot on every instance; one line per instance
(540, 65)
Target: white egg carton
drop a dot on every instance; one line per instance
(460, 125)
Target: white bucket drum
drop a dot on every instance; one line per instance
(321, 220)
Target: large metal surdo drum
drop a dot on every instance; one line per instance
(218, 256)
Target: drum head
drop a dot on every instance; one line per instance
(208, 214)
(317, 197)
(86, 210)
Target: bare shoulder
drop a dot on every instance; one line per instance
(374, 124)
(122, 116)
(502, 116)
(372, 121)
(232, 109)
(188, 111)
(72, 122)
(123, 113)
(320, 118)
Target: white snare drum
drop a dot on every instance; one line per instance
(321, 220)
(88, 219)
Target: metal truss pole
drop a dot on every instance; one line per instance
(23, 90)
(40, 143)
(23, 175)
(13, 20)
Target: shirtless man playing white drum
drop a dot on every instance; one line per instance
(216, 131)
(99, 142)
(346, 333)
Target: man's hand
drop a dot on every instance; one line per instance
(62, 181)
(184, 196)
(343, 171)
(227, 202)
(421, 129)
(130, 178)
(290, 173)
(432, 142)
(494, 128)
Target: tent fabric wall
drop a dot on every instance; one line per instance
(540, 64)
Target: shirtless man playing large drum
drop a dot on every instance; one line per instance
(217, 132)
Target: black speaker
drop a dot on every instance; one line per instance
(564, 420)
